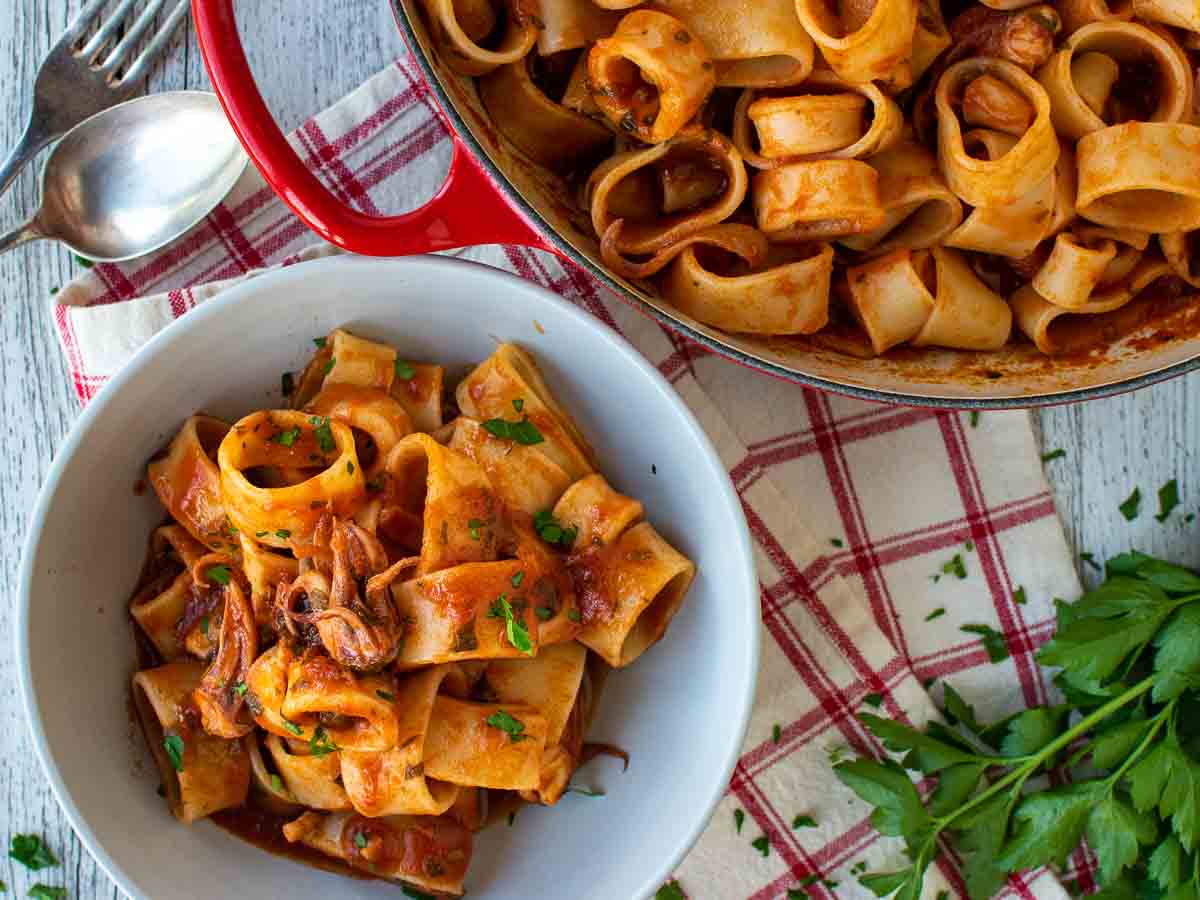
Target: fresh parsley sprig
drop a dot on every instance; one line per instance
(1127, 738)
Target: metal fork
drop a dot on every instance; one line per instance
(76, 82)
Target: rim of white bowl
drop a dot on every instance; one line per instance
(177, 331)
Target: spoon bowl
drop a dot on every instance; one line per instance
(136, 176)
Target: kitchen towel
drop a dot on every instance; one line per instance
(881, 533)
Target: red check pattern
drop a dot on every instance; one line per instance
(858, 513)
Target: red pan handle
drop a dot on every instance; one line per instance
(468, 209)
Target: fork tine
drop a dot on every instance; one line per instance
(112, 24)
(158, 43)
(81, 21)
(140, 26)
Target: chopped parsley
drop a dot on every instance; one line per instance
(544, 613)
(360, 840)
(323, 434)
(404, 370)
(1132, 505)
(969, 545)
(1091, 561)
(518, 578)
(936, 614)
(1053, 455)
(287, 437)
(283, 534)
(514, 728)
(413, 893)
(522, 432)
(515, 630)
(670, 891)
(762, 845)
(519, 404)
(241, 688)
(776, 734)
(973, 417)
(31, 852)
(329, 365)
(993, 641)
(277, 784)
(319, 342)
(803, 822)
(173, 744)
(955, 567)
(45, 892)
(1168, 499)
(204, 626)
(349, 467)
(873, 700)
(474, 525)
(386, 695)
(292, 726)
(574, 616)
(258, 534)
(550, 531)
(837, 542)
(1019, 596)
(739, 819)
(288, 384)
(321, 743)
(219, 574)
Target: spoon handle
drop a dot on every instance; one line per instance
(22, 234)
(34, 139)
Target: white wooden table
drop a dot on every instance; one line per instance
(308, 54)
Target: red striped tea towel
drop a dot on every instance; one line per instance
(880, 531)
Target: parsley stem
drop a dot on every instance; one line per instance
(1167, 715)
(1023, 771)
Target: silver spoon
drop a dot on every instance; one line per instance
(135, 177)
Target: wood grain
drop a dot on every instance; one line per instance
(307, 55)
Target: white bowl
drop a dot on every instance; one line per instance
(680, 711)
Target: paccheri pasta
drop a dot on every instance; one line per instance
(784, 167)
(361, 618)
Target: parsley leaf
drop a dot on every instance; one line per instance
(550, 531)
(323, 433)
(241, 688)
(174, 746)
(517, 578)
(1019, 596)
(514, 628)
(283, 534)
(993, 641)
(739, 818)
(329, 365)
(321, 744)
(219, 574)
(574, 615)
(670, 891)
(973, 417)
(522, 432)
(776, 734)
(1168, 499)
(955, 567)
(762, 845)
(1053, 455)
(45, 892)
(473, 525)
(319, 342)
(1132, 505)
(873, 700)
(836, 542)
(386, 695)
(514, 728)
(292, 727)
(31, 852)
(803, 822)
(404, 370)
(936, 614)
(287, 437)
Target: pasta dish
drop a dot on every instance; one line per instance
(376, 614)
(873, 173)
